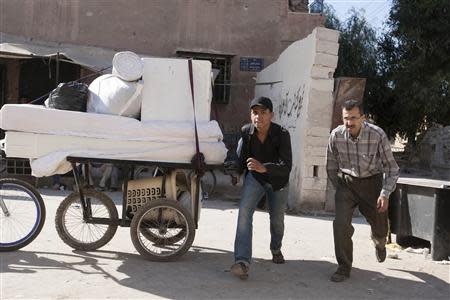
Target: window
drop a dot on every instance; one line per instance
(221, 66)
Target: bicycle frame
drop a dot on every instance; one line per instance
(4, 208)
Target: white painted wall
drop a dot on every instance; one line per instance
(300, 84)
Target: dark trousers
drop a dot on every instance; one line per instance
(350, 193)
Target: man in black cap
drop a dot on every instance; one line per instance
(265, 158)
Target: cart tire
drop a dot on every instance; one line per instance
(148, 234)
(170, 227)
(78, 234)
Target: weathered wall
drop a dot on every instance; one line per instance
(255, 28)
(431, 156)
(300, 83)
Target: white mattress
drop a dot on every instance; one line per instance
(38, 119)
(49, 151)
(166, 94)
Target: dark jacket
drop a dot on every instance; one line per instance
(275, 153)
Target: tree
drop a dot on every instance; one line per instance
(358, 54)
(416, 65)
(331, 20)
(407, 67)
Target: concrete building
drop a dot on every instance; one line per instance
(240, 38)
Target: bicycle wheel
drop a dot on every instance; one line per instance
(22, 214)
(172, 230)
(75, 231)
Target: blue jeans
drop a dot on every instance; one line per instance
(252, 192)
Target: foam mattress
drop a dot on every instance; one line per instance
(166, 94)
(39, 119)
(49, 152)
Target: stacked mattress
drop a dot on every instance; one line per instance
(167, 92)
(48, 136)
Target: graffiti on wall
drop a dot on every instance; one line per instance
(291, 103)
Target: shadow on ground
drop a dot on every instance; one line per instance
(203, 273)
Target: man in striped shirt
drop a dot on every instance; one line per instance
(361, 166)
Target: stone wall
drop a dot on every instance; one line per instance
(300, 83)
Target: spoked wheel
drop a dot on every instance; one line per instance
(162, 230)
(75, 231)
(156, 237)
(22, 214)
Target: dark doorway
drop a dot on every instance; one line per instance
(38, 77)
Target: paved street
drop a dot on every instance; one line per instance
(48, 268)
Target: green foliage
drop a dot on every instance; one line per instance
(331, 20)
(358, 53)
(417, 63)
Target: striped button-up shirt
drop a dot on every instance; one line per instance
(366, 155)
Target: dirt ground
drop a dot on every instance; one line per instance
(49, 269)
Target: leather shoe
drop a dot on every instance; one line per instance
(337, 277)
(380, 254)
(278, 258)
(240, 270)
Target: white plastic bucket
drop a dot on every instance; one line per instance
(127, 65)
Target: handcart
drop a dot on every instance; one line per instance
(162, 212)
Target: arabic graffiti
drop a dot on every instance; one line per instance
(291, 104)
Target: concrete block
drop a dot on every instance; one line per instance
(308, 170)
(326, 34)
(320, 161)
(318, 131)
(322, 72)
(327, 47)
(312, 200)
(315, 150)
(327, 60)
(317, 96)
(326, 85)
(312, 183)
(316, 141)
(320, 107)
(320, 120)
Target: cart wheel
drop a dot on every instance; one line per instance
(75, 231)
(155, 237)
(162, 230)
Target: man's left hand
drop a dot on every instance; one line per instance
(382, 204)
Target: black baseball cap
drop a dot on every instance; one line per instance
(262, 101)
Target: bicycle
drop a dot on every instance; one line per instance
(22, 214)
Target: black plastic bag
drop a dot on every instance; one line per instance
(69, 96)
